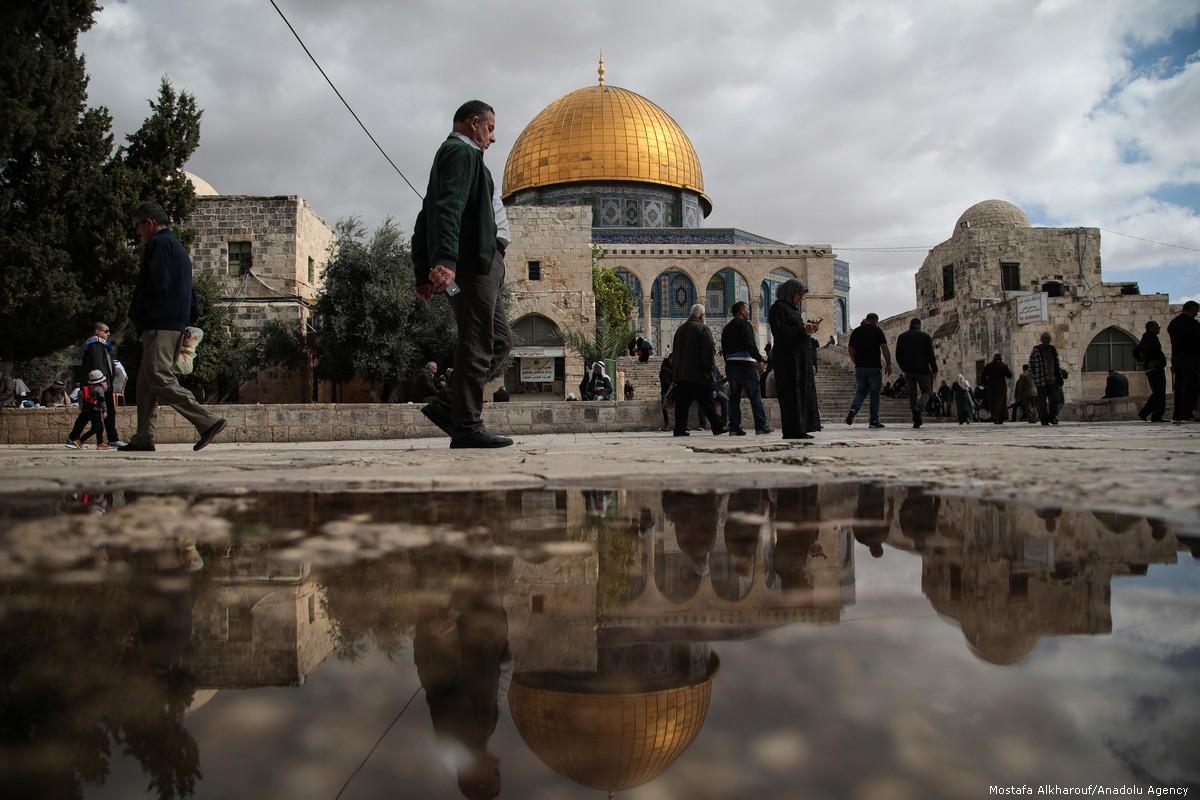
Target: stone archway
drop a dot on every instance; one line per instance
(538, 359)
(640, 307)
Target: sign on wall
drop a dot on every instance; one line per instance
(537, 370)
(1031, 308)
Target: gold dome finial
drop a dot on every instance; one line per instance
(600, 70)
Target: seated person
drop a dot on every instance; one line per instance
(1117, 385)
(596, 385)
(628, 390)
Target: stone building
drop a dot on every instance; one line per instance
(606, 169)
(268, 255)
(998, 283)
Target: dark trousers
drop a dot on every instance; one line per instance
(1157, 404)
(1187, 386)
(920, 390)
(684, 394)
(88, 414)
(743, 376)
(1048, 401)
(484, 341)
(110, 420)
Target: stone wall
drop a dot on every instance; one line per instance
(324, 422)
(559, 239)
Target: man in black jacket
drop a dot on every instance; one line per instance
(1184, 331)
(693, 353)
(163, 305)
(1149, 351)
(743, 363)
(918, 362)
(97, 354)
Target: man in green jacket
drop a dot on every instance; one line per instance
(457, 249)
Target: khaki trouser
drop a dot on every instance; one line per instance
(157, 383)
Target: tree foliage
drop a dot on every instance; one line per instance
(369, 322)
(612, 333)
(67, 250)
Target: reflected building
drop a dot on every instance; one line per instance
(613, 651)
(1009, 575)
(261, 623)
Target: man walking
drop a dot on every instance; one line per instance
(163, 305)
(693, 353)
(1046, 372)
(918, 362)
(458, 247)
(867, 346)
(1184, 331)
(1149, 351)
(1025, 397)
(996, 376)
(743, 363)
(96, 354)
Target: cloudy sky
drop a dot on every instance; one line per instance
(870, 126)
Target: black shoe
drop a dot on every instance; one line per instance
(681, 433)
(800, 436)
(738, 432)
(1143, 416)
(210, 434)
(439, 414)
(764, 431)
(917, 423)
(479, 440)
(718, 431)
(136, 448)
(1054, 420)
(876, 424)
(850, 418)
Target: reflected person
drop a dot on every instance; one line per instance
(459, 647)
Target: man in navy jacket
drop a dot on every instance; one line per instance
(163, 305)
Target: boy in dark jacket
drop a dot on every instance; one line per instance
(91, 409)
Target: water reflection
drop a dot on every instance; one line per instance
(602, 612)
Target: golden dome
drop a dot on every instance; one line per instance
(603, 133)
(610, 742)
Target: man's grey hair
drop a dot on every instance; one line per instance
(697, 311)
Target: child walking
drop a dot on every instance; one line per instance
(91, 409)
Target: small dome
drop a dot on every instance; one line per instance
(202, 187)
(992, 214)
(603, 133)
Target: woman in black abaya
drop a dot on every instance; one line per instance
(795, 377)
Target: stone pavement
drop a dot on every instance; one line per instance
(1131, 467)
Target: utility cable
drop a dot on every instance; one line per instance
(377, 741)
(347, 105)
(1152, 241)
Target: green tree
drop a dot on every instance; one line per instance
(612, 333)
(369, 322)
(67, 251)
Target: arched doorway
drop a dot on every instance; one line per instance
(671, 298)
(538, 359)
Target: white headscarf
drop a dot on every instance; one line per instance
(963, 382)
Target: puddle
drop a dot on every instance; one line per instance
(839, 640)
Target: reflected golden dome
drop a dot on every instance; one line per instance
(610, 742)
(603, 133)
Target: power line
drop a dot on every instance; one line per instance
(1151, 241)
(347, 105)
(377, 741)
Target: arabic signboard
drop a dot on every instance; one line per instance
(537, 370)
(1031, 308)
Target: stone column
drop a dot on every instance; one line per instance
(646, 305)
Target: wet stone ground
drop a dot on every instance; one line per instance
(849, 639)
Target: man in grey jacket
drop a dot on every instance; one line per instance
(693, 350)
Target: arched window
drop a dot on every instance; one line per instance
(714, 301)
(534, 330)
(1111, 349)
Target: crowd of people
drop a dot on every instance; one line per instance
(690, 375)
